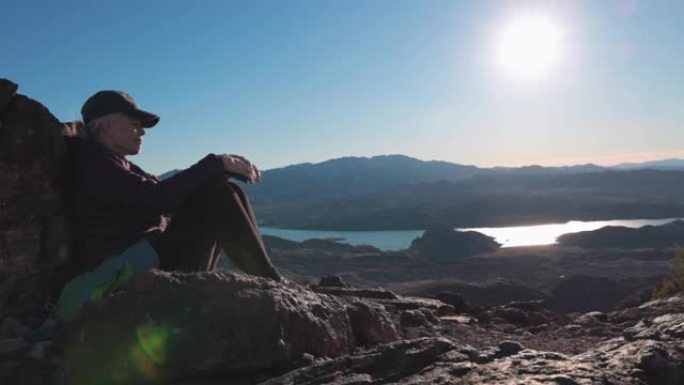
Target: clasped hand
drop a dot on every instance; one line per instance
(237, 164)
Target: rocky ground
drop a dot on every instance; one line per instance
(224, 328)
(570, 279)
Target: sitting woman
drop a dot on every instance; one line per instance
(118, 211)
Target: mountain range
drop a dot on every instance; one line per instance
(392, 192)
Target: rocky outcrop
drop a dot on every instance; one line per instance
(332, 281)
(446, 243)
(33, 233)
(649, 353)
(215, 324)
(174, 325)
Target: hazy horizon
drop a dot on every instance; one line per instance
(645, 160)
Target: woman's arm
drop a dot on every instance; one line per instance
(109, 182)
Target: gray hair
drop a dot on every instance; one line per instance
(93, 128)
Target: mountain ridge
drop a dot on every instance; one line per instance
(664, 164)
(397, 192)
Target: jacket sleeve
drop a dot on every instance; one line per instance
(109, 183)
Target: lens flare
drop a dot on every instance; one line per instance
(153, 342)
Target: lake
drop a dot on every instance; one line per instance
(508, 236)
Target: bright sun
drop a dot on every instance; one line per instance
(529, 47)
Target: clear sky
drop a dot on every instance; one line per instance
(285, 82)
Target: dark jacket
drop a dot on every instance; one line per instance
(113, 203)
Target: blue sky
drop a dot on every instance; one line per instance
(285, 82)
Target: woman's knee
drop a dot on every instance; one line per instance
(221, 190)
(221, 186)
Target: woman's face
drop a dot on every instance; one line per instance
(123, 134)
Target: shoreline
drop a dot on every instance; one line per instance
(510, 236)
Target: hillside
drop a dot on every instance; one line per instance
(484, 198)
(665, 236)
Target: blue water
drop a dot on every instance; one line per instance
(508, 236)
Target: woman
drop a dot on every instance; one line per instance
(119, 212)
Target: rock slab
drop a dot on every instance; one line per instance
(175, 325)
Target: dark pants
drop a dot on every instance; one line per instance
(217, 216)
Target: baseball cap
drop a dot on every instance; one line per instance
(109, 102)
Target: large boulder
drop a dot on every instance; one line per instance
(167, 326)
(32, 227)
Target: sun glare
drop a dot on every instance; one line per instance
(529, 47)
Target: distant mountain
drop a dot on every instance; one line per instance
(354, 175)
(382, 170)
(390, 167)
(168, 174)
(399, 192)
(666, 164)
(536, 169)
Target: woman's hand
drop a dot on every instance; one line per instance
(240, 165)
